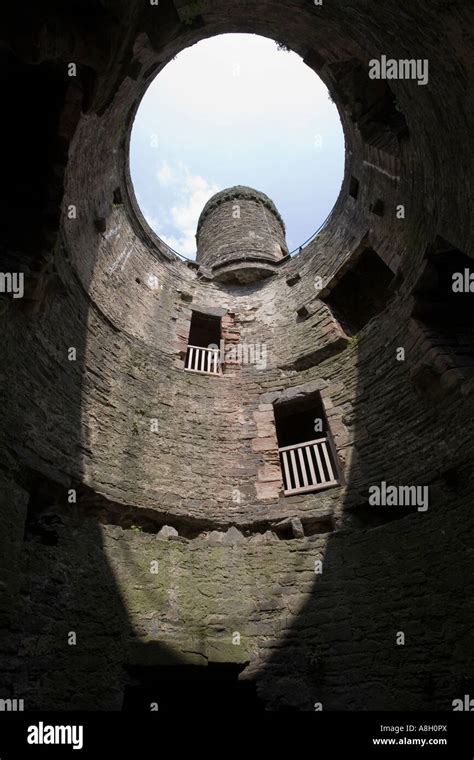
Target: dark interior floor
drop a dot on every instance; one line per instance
(212, 689)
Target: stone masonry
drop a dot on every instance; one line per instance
(142, 506)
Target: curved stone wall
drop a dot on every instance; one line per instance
(240, 223)
(144, 444)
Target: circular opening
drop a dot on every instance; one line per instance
(236, 109)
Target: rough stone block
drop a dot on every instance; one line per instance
(167, 532)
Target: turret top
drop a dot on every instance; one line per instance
(238, 192)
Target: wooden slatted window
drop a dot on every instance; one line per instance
(307, 453)
(202, 355)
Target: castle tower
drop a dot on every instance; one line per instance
(241, 236)
(267, 536)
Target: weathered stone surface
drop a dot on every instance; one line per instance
(168, 532)
(215, 537)
(293, 523)
(233, 537)
(297, 528)
(86, 425)
(269, 474)
(241, 235)
(268, 489)
(300, 391)
(264, 444)
(13, 503)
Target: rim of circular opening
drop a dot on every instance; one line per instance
(153, 236)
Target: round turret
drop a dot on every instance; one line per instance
(240, 235)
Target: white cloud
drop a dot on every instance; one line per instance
(186, 195)
(165, 175)
(193, 193)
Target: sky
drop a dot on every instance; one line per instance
(235, 110)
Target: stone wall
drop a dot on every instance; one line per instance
(145, 444)
(308, 633)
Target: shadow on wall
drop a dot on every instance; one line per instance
(381, 577)
(63, 621)
(387, 624)
(67, 632)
